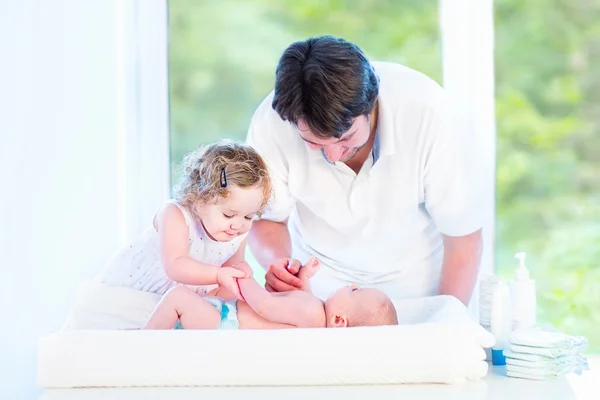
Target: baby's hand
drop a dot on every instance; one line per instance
(227, 277)
(245, 268)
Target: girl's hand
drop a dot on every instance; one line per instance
(245, 268)
(227, 277)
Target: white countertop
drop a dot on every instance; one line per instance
(496, 386)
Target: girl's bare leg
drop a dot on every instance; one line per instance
(186, 305)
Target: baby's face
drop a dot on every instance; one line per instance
(347, 300)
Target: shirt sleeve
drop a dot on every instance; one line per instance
(264, 135)
(452, 176)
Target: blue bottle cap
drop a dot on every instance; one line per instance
(498, 357)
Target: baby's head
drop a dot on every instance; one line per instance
(226, 185)
(354, 306)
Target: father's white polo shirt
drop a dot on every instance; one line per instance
(380, 227)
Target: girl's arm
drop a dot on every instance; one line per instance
(238, 260)
(301, 310)
(174, 249)
(239, 256)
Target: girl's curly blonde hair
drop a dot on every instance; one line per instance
(205, 170)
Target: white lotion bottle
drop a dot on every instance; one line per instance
(522, 290)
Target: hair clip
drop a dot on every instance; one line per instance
(223, 178)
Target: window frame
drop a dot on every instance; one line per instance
(143, 111)
(467, 34)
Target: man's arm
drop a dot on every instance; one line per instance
(269, 241)
(298, 310)
(269, 238)
(455, 197)
(270, 136)
(271, 245)
(462, 256)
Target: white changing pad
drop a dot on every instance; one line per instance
(439, 344)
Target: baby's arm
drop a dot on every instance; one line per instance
(174, 249)
(300, 309)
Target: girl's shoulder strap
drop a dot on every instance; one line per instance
(189, 221)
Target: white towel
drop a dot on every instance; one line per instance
(98, 306)
(440, 343)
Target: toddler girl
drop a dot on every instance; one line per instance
(197, 237)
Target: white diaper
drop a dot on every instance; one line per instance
(545, 370)
(575, 361)
(545, 343)
(518, 358)
(541, 354)
(538, 337)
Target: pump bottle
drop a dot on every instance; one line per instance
(522, 290)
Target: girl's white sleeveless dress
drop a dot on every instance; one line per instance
(138, 264)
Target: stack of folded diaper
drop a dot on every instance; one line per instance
(539, 354)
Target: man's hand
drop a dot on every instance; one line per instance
(227, 277)
(282, 276)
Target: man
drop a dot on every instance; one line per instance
(369, 177)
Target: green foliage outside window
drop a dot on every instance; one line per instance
(222, 60)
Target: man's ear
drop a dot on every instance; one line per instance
(337, 321)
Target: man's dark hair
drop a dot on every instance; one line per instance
(325, 81)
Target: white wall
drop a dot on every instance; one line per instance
(63, 165)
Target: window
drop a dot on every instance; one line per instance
(222, 55)
(548, 166)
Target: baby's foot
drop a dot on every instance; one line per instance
(309, 269)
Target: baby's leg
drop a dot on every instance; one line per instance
(186, 305)
(307, 271)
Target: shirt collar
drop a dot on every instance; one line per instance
(386, 135)
(385, 143)
(318, 154)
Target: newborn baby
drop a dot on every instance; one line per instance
(350, 306)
